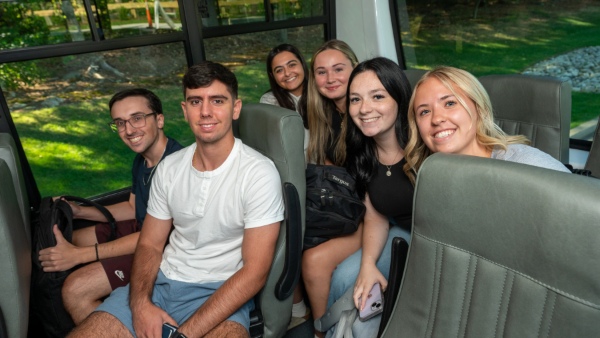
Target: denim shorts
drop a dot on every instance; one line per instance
(179, 299)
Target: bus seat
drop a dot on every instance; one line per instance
(15, 264)
(278, 133)
(414, 75)
(593, 161)
(538, 107)
(8, 152)
(515, 256)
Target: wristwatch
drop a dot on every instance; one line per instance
(177, 334)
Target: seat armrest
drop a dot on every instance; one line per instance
(399, 253)
(293, 221)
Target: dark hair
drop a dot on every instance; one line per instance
(203, 74)
(153, 101)
(361, 158)
(283, 96)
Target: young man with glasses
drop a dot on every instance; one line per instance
(138, 119)
(225, 203)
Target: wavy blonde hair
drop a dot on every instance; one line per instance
(488, 133)
(319, 109)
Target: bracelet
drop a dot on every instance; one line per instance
(97, 257)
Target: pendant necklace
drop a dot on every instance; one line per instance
(389, 167)
(154, 168)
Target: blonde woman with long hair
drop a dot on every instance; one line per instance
(451, 112)
(325, 102)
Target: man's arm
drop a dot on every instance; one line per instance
(148, 318)
(66, 255)
(121, 211)
(258, 248)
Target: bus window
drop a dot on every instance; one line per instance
(62, 120)
(225, 12)
(557, 38)
(249, 54)
(28, 24)
(43, 23)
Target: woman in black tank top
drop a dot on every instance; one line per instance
(377, 131)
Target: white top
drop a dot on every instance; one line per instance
(269, 98)
(522, 153)
(211, 209)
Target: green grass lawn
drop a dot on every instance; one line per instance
(503, 41)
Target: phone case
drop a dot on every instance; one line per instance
(374, 304)
(167, 330)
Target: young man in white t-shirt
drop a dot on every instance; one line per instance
(224, 200)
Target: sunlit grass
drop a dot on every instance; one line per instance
(503, 44)
(71, 149)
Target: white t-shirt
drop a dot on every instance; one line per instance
(269, 98)
(522, 153)
(211, 209)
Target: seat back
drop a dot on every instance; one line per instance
(15, 262)
(538, 107)
(414, 75)
(593, 161)
(278, 133)
(500, 249)
(8, 152)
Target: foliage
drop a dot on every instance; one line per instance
(18, 30)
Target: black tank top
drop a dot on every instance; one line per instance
(392, 196)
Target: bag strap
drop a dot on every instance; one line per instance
(335, 312)
(109, 217)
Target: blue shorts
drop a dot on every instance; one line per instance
(179, 299)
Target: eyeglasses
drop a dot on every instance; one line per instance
(136, 121)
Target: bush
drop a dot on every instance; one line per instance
(18, 30)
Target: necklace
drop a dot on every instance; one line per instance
(154, 168)
(389, 167)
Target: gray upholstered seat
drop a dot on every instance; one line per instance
(593, 161)
(500, 249)
(414, 75)
(538, 107)
(15, 259)
(8, 152)
(278, 133)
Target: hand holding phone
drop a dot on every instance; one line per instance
(374, 304)
(167, 330)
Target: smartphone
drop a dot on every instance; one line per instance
(167, 330)
(374, 304)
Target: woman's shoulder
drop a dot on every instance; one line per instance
(269, 98)
(522, 153)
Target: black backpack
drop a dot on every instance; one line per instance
(333, 207)
(47, 310)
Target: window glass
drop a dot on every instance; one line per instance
(44, 23)
(27, 24)
(227, 12)
(131, 18)
(558, 38)
(294, 9)
(231, 12)
(62, 115)
(248, 58)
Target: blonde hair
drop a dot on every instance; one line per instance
(319, 109)
(488, 133)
